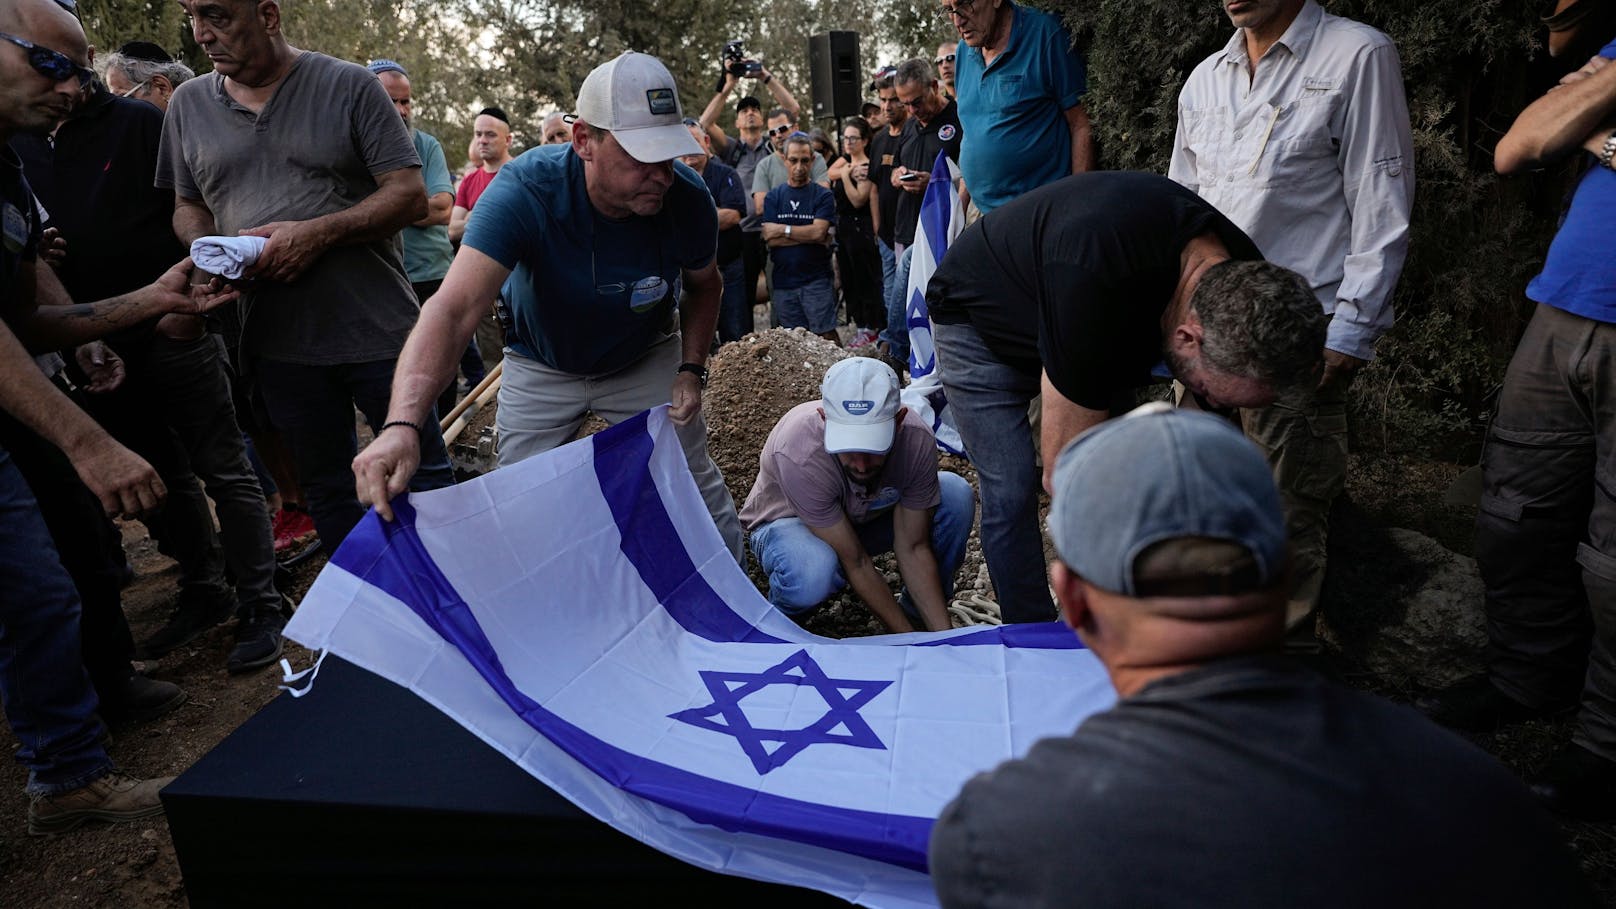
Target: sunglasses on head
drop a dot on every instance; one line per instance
(946, 58)
(51, 64)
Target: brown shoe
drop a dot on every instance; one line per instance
(114, 797)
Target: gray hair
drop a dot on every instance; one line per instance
(1261, 321)
(140, 72)
(799, 139)
(916, 71)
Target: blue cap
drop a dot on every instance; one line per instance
(1161, 474)
(383, 65)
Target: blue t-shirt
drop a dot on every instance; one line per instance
(1012, 113)
(427, 252)
(587, 294)
(1580, 273)
(799, 206)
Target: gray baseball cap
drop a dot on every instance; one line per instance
(634, 97)
(1161, 474)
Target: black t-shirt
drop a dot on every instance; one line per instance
(921, 145)
(1073, 277)
(883, 152)
(19, 226)
(1251, 782)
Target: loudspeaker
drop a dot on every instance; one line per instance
(834, 73)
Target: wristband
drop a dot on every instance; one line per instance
(695, 369)
(1608, 153)
(391, 423)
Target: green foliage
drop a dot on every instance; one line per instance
(1475, 244)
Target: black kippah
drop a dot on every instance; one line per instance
(496, 113)
(145, 50)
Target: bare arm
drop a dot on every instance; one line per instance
(698, 319)
(862, 576)
(801, 234)
(438, 210)
(124, 483)
(1063, 421)
(728, 218)
(1570, 116)
(457, 223)
(782, 97)
(858, 184)
(917, 565)
(52, 321)
(709, 116)
(1077, 120)
(398, 202)
(425, 366)
(192, 220)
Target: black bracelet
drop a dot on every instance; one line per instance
(391, 423)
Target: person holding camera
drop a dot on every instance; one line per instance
(746, 148)
(856, 254)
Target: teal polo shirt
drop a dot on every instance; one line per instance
(1013, 112)
(588, 295)
(427, 252)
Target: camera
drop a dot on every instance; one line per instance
(737, 64)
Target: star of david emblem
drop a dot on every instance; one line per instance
(841, 724)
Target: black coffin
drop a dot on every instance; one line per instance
(361, 792)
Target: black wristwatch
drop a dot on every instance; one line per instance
(695, 369)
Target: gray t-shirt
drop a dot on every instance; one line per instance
(314, 149)
(771, 172)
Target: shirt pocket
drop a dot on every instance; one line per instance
(1207, 133)
(1010, 91)
(1305, 139)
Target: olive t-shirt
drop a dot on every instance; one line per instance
(315, 148)
(1073, 278)
(798, 478)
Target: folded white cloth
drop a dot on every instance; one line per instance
(226, 257)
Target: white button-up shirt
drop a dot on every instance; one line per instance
(1313, 158)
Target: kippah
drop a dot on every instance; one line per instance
(496, 113)
(383, 65)
(145, 50)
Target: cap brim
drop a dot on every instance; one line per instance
(870, 438)
(655, 144)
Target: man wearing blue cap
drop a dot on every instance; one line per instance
(1226, 774)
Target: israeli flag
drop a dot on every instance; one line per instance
(579, 612)
(941, 220)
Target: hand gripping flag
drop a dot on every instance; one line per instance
(941, 220)
(578, 611)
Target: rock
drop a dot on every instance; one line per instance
(1442, 637)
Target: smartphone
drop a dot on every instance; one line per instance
(908, 177)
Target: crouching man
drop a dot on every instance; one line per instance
(849, 477)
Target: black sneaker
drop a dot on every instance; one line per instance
(1476, 705)
(258, 641)
(138, 699)
(193, 616)
(1578, 783)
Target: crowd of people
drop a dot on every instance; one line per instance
(1256, 276)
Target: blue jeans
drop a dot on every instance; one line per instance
(889, 273)
(734, 312)
(314, 407)
(45, 690)
(811, 306)
(988, 399)
(804, 571)
(896, 334)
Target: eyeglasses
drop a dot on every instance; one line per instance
(947, 58)
(140, 85)
(51, 64)
(960, 9)
(852, 137)
(780, 130)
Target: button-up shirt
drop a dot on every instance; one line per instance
(1312, 156)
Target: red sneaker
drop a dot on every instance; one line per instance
(291, 528)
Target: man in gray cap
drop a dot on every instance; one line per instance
(1226, 773)
(597, 337)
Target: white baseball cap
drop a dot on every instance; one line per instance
(861, 406)
(634, 97)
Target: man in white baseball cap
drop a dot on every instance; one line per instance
(596, 238)
(849, 476)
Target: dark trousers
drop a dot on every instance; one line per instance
(756, 257)
(314, 407)
(1546, 532)
(471, 359)
(734, 311)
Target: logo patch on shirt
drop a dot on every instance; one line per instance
(662, 101)
(16, 228)
(947, 132)
(794, 204)
(1314, 84)
(858, 408)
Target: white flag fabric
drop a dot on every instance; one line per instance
(579, 612)
(941, 220)
(227, 257)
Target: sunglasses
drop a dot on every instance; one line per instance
(961, 9)
(52, 65)
(780, 130)
(946, 58)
